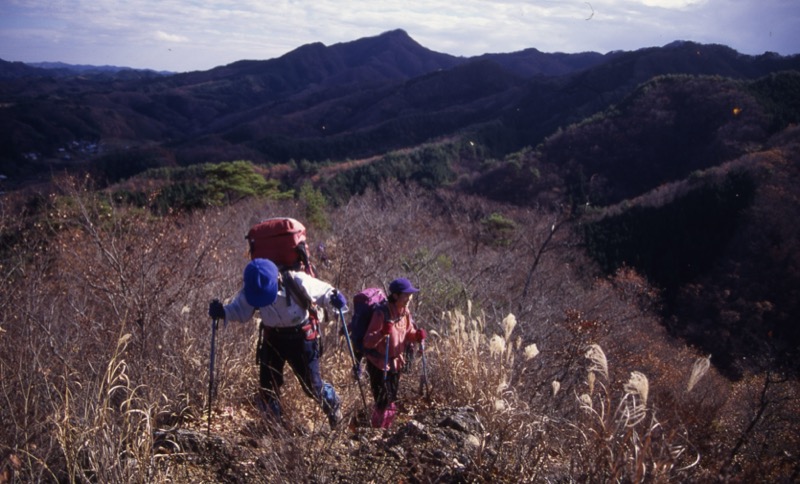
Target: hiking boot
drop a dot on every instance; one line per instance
(331, 405)
(382, 418)
(335, 418)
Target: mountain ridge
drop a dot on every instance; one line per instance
(322, 102)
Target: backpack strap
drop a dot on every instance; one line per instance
(383, 307)
(387, 313)
(302, 251)
(293, 290)
(300, 295)
(305, 301)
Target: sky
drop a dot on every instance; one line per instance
(191, 35)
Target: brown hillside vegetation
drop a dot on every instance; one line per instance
(540, 370)
(691, 182)
(723, 246)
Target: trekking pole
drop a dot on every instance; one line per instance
(386, 366)
(214, 324)
(423, 382)
(353, 357)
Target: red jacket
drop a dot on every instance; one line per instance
(403, 332)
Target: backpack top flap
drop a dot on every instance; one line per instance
(369, 297)
(277, 239)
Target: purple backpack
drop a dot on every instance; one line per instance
(364, 304)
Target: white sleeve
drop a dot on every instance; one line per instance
(239, 310)
(317, 290)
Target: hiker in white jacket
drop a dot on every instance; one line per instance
(288, 304)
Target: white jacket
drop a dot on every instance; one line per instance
(282, 313)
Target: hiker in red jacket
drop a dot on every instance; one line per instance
(391, 330)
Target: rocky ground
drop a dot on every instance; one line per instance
(428, 442)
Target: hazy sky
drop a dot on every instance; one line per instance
(185, 35)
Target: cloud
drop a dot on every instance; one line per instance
(674, 4)
(670, 4)
(159, 35)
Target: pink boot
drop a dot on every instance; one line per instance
(383, 418)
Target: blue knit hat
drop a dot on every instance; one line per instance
(260, 283)
(402, 286)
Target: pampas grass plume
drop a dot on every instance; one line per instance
(638, 385)
(509, 322)
(497, 345)
(699, 368)
(531, 351)
(596, 355)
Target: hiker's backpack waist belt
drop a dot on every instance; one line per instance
(286, 329)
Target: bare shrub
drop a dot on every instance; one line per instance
(756, 434)
(99, 275)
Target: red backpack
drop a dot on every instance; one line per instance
(281, 240)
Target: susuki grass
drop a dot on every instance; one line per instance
(108, 436)
(616, 436)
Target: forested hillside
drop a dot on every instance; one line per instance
(331, 103)
(676, 181)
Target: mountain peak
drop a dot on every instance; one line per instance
(399, 38)
(400, 33)
(391, 39)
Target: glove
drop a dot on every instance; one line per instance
(386, 329)
(216, 310)
(338, 300)
(421, 335)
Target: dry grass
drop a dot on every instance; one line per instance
(104, 344)
(615, 437)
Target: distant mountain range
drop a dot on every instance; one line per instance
(318, 102)
(11, 70)
(64, 69)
